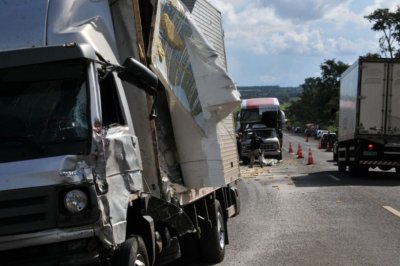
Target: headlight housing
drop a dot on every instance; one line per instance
(75, 201)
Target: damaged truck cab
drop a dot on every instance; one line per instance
(70, 163)
(88, 173)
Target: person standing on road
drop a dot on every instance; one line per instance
(255, 149)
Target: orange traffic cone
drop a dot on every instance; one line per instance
(300, 153)
(310, 157)
(290, 148)
(298, 149)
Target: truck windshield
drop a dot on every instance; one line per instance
(250, 115)
(44, 111)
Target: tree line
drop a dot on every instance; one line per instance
(319, 100)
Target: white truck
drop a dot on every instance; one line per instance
(369, 117)
(110, 162)
(262, 112)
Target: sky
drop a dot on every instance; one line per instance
(283, 42)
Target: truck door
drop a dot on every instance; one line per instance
(372, 98)
(393, 110)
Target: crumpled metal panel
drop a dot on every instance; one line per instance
(121, 151)
(119, 164)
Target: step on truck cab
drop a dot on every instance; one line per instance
(108, 153)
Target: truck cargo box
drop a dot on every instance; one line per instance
(369, 97)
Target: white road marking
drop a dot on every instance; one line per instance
(392, 210)
(334, 177)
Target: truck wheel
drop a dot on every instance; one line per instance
(384, 168)
(212, 241)
(280, 156)
(341, 167)
(358, 170)
(132, 253)
(354, 170)
(245, 160)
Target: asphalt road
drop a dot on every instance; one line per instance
(293, 213)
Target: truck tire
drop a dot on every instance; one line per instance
(280, 156)
(353, 169)
(342, 167)
(132, 252)
(358, 170)
(212, 241)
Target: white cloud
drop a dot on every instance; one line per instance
(305, 10)
(308, 29)
(285, 26)
(391, 4)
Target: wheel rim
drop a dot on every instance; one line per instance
(140, 261)
(221, 231)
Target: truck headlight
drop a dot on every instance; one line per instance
(75, 201)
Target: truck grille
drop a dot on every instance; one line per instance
(268, 147)
(27, 210)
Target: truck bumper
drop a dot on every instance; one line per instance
(271, 154)
(267, 153)
(52, 247)
(379, 163)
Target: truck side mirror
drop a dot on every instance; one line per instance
(137, 74)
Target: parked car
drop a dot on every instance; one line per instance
(297, 130)
(327, 138)
(320, 132)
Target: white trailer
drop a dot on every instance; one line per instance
(369, 118)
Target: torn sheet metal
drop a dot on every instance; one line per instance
(186, 63)
(200, 93)
(124, 177)
(118, 167)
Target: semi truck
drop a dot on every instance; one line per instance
(369, 116)
(264, 117)
(115, 146)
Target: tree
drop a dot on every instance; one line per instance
(389, 23)
(372, 55)
(319, 100)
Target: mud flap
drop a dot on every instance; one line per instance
(170, 214)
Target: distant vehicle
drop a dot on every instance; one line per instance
(270, 146)
(327, 138)
(265, 111)
(320, 132)
(297, 130)
(369, 124)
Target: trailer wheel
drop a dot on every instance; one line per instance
(342, 167)
(212, 241)
(132, 253)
